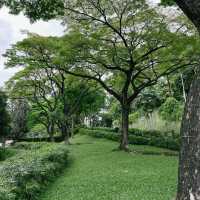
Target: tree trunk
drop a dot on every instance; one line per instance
(189, 159)
(124, 128)
(51, 132)
(189, 163)
(65, 133)
(192, 9)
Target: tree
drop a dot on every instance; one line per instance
(19, 111)
(37, 9)
(189, 162)
(106, 120)
(131, 60)
(4, 119)
(171, 110)
(124, 51)
(148, 101)
(181, 83)
(58, 96)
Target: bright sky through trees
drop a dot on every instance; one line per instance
(11, 27)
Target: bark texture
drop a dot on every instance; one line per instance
(189, 159)
(192, 9)
(124, 128)
(189, 164)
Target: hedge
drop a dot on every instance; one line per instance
(44, 139)
(105, 129)
(26, 174)
(139, 137)
(6, 153)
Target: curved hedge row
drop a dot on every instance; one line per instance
(25, 175)
(153, 138)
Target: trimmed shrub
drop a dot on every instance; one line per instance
(25, 175)
(139, 140)
(166, 140)
(104, 129)
(44, 139)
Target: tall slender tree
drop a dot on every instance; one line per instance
(4, 118)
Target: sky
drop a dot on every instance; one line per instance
(11, 27)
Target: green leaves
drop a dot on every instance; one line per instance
(24, 175)
(171, 110)
(37, 9)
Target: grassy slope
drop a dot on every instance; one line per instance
(99, 173)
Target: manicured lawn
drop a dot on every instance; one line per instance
(99, 172)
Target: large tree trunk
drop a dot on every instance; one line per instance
(124, 128)
(192, 9)
(189, 160)
(189, 164)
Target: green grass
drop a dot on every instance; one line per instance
(99, 172)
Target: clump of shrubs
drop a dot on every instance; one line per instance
(168, 140)
(6, 153)
(171, 110)
(25, 175)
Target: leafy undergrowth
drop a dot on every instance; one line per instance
(24, 175)
(99, 172)
(6, 153)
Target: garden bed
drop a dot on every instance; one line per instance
(26, 174)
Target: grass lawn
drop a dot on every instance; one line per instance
(99, 172)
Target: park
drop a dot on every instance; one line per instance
(104, 105)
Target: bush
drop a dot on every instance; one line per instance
(133, 117)
(6, 153)
(104, 129)
(38, 131)
(139, 137)
(139, 140)
(25, 175)
(171, 110)
(29, 145)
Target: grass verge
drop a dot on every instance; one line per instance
(98, 172)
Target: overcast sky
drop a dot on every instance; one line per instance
(10, 33)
